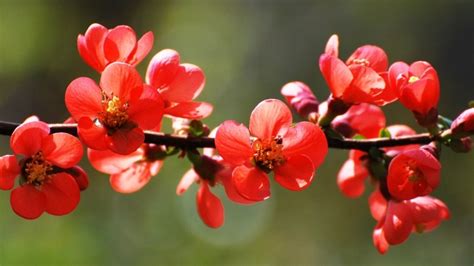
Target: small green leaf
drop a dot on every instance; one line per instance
(384, 133)
(358, 136)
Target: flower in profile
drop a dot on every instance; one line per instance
(300, 97)
(464, 124)
(114, 115)
(46, 184)
(417, 86)
(178, 84)
(128, 173)
(413, 173)
(271, 144)
(352, 175)
(361, 79)
(100, 46)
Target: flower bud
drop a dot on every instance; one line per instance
(463, 125)
(301, 98)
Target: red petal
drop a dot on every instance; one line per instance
(186, 181)
(112, 163)
(366, 85)
(9, 170)
(351, 179)
(376, 56)
(394, 73)
(93, 136)
(388, 95)
(225, 177)
(209, 207)
(80, 176)
(233, 143)
(144, 46)
(190, 110)
(296, 173)
(125, 141)
(120, 79)
(120, 42)
(186, 85)
(332, 46)
(26, 139)
(162, 69)
(398, 223)
(62, 150)
(62, 194)
(94, 38)
(379, 240)
(377, 205)
(132, 179)
(83, 98)
(336, 73)
(251, 183)
(423, 210)
(147, 110)
(270, 118)
(306, 139)
(28, 202)
(88, 57)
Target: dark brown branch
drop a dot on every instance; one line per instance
(7, 128)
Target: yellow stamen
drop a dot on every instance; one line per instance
(38, 169)
(268, 155)
(361, 61)
(413, 79)
(116, 113)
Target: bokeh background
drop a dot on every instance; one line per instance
(248, 50)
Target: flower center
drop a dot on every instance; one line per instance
(268, 154)
(414, 174)
(413, 79)
(37, 169)
(361, 61)
(115, 114)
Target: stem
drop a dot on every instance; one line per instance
(7, 128)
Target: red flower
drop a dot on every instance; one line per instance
(45, 184)
(400, 218)
(128, 173)
(292, 153)
(300, 97)
(417, 85)
(464, 123)
(178, 85)
(100, 46)
(364, 119)
(114, 115)
(413, 173)
(352, 175)
(361, 78)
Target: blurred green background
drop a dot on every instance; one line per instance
(248, 50)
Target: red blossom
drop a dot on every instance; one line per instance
(293, 153)
(178, 84)
(413, 173)
(100, 46)
(417, 85)
(114, 114)
(300, 97)
(361, 79)
(464, 123)
(46, 184)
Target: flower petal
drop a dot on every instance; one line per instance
(80, 176)
(332, 46)
(296, 173)
(270, 118)
(233, 143)
(62, 194)
(147, 110)
(120, 42)
(190, 110)
(120, 79)
(26, 139)
(28, 202)
(186, 85)
(251, 183)
(93, 135)
(377, 204)
(209, 207)
(162, 69)
(131, 179)
(109, 162)
(379, 239)
(186, 181)
(9, 170)
(62, 150)
(126, 140)
(395, 71)
(336, 73)
(398, 223)
(83, 98)
(88, 57)
(94, 38)
(351, 179)
(224, 176)
(376, 57)
(144, 46)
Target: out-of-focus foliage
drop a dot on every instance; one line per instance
(248, 50)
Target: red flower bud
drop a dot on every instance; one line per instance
(464, 124)
(300, 97)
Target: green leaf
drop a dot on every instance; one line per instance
(384, 133)
(358, 136)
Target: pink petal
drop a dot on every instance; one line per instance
(120, 42)
(112, 163)
(375, 55)
(162, 69)
(147, 110)
(186, 181)
(394, 72)
(120, 79)
(87, 56)
(9, 170)
(398, 223)
(83, 98)
(296, 173)
(233, 143)
(377, 205)
(332, 46)
(132, 179)
(336, 73)
(62, 150)
(186, 85)
(62, 194)
(26, 139)
(269, 119)
(209, 207)
(251, 183)
(365, 86)
(351, 179)
(93, 135)
(94, 38)
(379, 240)
(144, 46)
(190, 110)
(28, 202)
(126, 140)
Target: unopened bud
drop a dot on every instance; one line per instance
(300, 97)
(427, 120)
(343, 128)
(463, 125)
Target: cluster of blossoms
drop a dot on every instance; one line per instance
(114, 116)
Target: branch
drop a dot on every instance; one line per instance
(7, 128)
